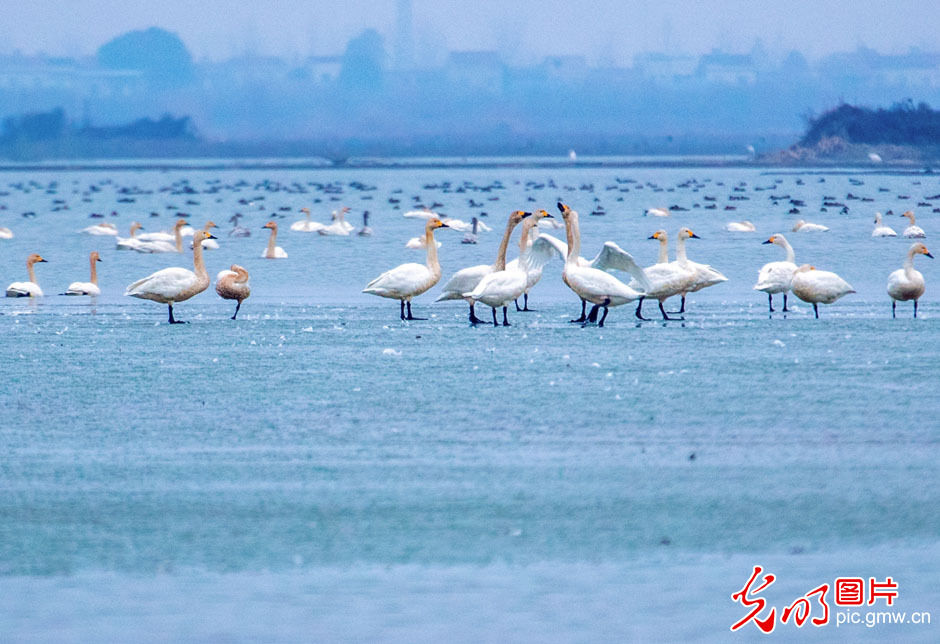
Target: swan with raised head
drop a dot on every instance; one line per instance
(806, 227)
(881, 230)
(162, 245)
(774, 277)
(740, 227)
(593, 285)
(91, 286)
(104, 228)
(237, 231)
(818, 287)
(467, 279)
(172, 285)
(665, 279)
(907, 283)
(506, 284)
(536, 252)
(339, 226)
(407, 281)
(207, 243)
(913, 231)
(273, 251)
(704, 275)
(471, 237)
(233, 285)
(366, 230)
(30, 288)
(129, 243)
(305, 225)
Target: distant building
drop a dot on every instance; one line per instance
(475, 70)
(664, 68)
(727, 69)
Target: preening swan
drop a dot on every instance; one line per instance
(132, 242)
(666, 279)
(207, 243)
(466, 279)
(499, 287)
(601, 289)
(907, 283)
(881, 230)
(703, 274)
(410, 280)
(806, 227)
(172, 285)
(774, 277)
(104, 228)
(339, 226)
(366, 230)
(740, 227)
(30, 288)
(91, 286)
(818, 287)
(233, 285)
(913, 231)
(305, 225)
(273, 251)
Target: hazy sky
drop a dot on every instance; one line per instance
(608, 30)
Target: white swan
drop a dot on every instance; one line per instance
(471, 237)
(162, 245)
(457, 224)
(704, 275)
(657, 212)
(906, 283)
(207, 243)
(466, 279)
(666, 279)
(233, 285)
(805, 227)
(129, 243)
(6, 233)
(913, 231)
(172, 285)
(104, 228)
(419, 243)
(30, 288)
(273, 251)
(164, 236)
(339, 226)
(507, 281)
(881, 230)
(774, 277)
(410, 280)
(536, 252)
(593, 285)
(740, 227)
(90, 287)
(818, 287)
(305, 225)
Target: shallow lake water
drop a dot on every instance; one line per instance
(320, 470)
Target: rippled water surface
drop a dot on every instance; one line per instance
(320, 470)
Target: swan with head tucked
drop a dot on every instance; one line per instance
(666, 279)
(207, 243)
(907, 283)
(91, 286)
(774, 277)
(593, 285)
(534, 253)
(161, 245)
(233, 285)
(806, 227)
(913, 231)
(273, 251)
(505, 284)
(818, 287)
(129, 243)
(881, 230)
(305, 225)
(104, 228)
(740, 227)
(467, 279)
(704, 275)
(340, 226)
(172, 285)
(410, 280)
(30, 288)
(6, 233)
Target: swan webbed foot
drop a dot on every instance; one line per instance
(639, 310)
(505, 319)
(666, 315)
(518, 310)
(525, 305)
(178, 322)
(410, 316)
(583, 309)
(473, 316)
(770, 300)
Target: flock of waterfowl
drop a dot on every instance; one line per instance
(595, 282)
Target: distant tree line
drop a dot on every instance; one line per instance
(54, 125)
(902, 124)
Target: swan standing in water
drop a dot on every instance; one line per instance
(104, 228)
(366, 230)
(907, 283)
(208, 244)
(30, 288)
(774, 277)
(881, 230)
(534, 254)
(806, 227)
(593, 285)
(90, 287)
(172, 285)
(665, 279)
(818, 287)
(233, 285)
(703, 274)
(410, 280)
(913, 231)
(305, 225)
(273, 251)
(467, 279)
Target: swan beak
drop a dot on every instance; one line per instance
(42, 260)
(769, 241)
(561, 207)
(653, 236)
(546, 215)
(209, 236)
(928, 255)
(526, 214)
(443, 225)
(694, 236)
(98, 259)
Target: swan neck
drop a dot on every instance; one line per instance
(524, 238)
(663, 251)
(272, 242)
(179, 239)
(680, 251)
(198, 264)
(500, 264)
(573, 235)
(94, 272)
(32, 272)
(432, 262)
(791, 256)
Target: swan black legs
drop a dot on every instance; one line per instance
(816, 310)
(666, 315)
(592, 316)
(785, 309)
(583, 309)
(173, 321)
(770, 299)
(682, 308)
(894, 305)
(525, 307)
(473, 316)
(915, 309)
(505, 319)
(410, 316)
(639, 309)
(237, 306)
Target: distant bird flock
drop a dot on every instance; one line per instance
(611, 279)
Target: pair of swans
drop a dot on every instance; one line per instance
(775, 277)
(339, 226)
(91, 286)
(30, 288)
(409, 280)
(153, 242)
(172, 285)
(907, 283)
